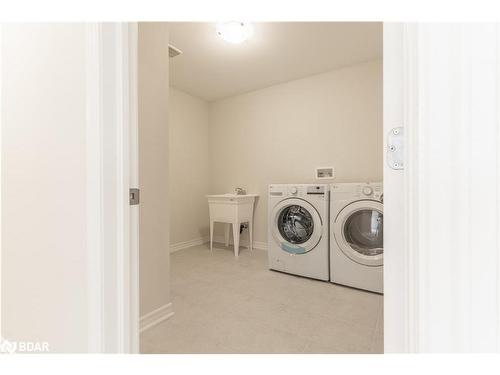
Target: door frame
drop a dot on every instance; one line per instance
(112, 106)
(1, 183)
(404, 280)
(112, 236)
(397, 278)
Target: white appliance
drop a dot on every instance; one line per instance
(356, 237)
(298, 229)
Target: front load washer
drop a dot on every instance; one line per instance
(298, 229)
(356, 237)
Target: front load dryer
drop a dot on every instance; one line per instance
(298, 229)
(356, 238)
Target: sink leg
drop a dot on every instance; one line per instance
(211, 235)
(236, 237)
(227, 228)
(250, 235)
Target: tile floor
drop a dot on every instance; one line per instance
(225, 304)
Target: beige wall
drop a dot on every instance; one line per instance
(153, 87)
(189, 174)
(281, 133)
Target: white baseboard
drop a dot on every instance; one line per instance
(244, 242)
(218, 239)
(184, 245)
(156, 316)
(260, 245)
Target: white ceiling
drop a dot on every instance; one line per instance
(212, 69)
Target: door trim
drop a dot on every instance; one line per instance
(396, 262)
(1, 182)
(112, 252)
(95, 240)
(134, 183)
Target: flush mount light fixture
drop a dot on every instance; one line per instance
(234, 32)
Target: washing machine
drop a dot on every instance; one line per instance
(298, 229)
(357, 234)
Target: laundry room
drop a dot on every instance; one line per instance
(275, 195)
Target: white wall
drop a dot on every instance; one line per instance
(281, 133)
(44, 249)
(153, 87)
(189, 173)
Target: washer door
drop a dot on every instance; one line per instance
(359, 232)
(297, 226)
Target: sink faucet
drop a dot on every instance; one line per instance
(240, 191)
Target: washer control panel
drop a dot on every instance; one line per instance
(316, 190)
(301, 190)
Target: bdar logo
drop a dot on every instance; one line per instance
(7, 346)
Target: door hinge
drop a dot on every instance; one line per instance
(395, 148)
(134, 196)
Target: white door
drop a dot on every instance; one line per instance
(441, 82)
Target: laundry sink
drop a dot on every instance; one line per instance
(231, 197)
(232, 209)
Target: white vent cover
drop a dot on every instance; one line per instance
(173, 51)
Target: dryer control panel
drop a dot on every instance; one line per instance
(359, 190)
(370, 191)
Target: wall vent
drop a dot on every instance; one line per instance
(173, 51)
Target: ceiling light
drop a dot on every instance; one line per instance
(234, 32)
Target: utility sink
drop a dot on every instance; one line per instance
(232, 209)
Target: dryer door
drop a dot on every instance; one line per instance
(359, 232)
(296, 226)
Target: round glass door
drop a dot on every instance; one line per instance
(364, 232)
(297, 227)
(295, 224)
(359, 232)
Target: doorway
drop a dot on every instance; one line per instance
(226, 133)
